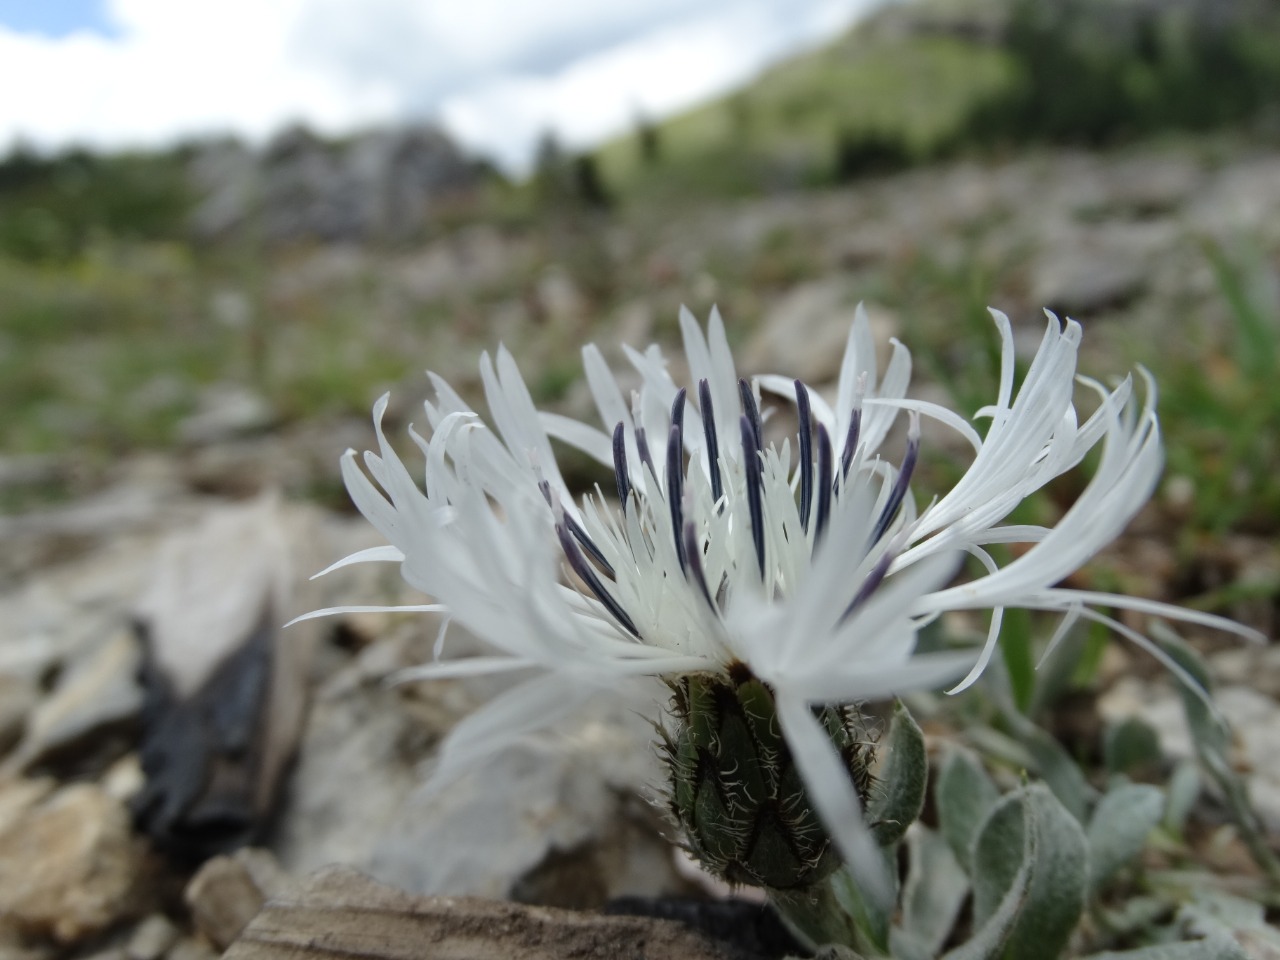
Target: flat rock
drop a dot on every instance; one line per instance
(551, 818)
(17, 699)
(142, 494)
(339, 911)
(226, 411)
(69, 866)
(224, 692)
(541, 821)
(803, 335)
(227, 892)
(18, 796)
(152, 938)
(1086, 272)
(97, 697)
(193, 948)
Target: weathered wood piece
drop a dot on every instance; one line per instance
(225, 690)
(340, 912)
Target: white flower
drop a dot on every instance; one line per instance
(809, 562)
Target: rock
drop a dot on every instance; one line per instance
(1256, 667)
(1086, 269)
(228, 892)
(558, 297)
(224, 175)
(383, 185)
(14, 947)
(551, 819)
(340, 911)
(17, 797)
(152, 938)
(124, 779)
(142, 492)
(1240, 200)
(297, 460)
(17, 699)
(226, 411)
(1151, 185)
(867, 245)
(354, 735)
(1078, 281)
(804, 333)
(540, 822)
(224, 697)
(97, 700)
(111, 953)
(1253, 718)
(193, 948)
(468, 261)
(30, 470)
(69, 866)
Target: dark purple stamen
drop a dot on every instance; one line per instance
(713, 443)
(755, 487)
(675, 474)
(825, 469)
(677, 408)
(693, 551)
(752, 412)
(642, 447)
(579, 534)
(620, 465)
(578, 563)
(850, 442)
(806, 453)
(589, 545)
(874, 578)
(899, 492)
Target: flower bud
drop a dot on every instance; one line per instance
(735, 788)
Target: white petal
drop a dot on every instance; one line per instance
(830, 790)
(533, 705)
(352, 608)
(383, 554)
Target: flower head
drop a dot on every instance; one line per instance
(807, 566)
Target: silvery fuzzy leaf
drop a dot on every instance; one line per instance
(1216, 947)
(870, 917)
(834, 951)
(1134, 916)
(1131, 747)
(1054, 898)
(1118, 830)
(1217, 914)
(1183, 791)
(934, 892)
(999, 915)
(1059, 771)
(1212, 738)
(903, 775)
(964, 795)
(904, 945)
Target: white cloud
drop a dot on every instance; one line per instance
(496, 72)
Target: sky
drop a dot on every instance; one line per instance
(495, 73)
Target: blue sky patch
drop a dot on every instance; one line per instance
(56, 18)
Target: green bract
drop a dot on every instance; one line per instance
(736, 790)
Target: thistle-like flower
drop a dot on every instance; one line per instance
(770, 585)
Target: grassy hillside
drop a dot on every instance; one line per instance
(909, 93)
(926, 80)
